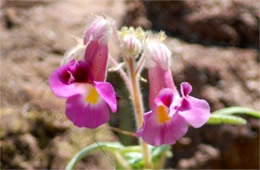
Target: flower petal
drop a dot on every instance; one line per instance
(150, 131)
(199, 112)
(186, 89)
(59, 86)
(83, 114)
(99, 30)
(107, 92)
(96, 56)
(81, 72)
(157, 54)
(147, 116)
(178, 127)
(165, 97)
(159, 79)
(157, 134)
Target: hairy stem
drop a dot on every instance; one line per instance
(122, 74)
(139, 111)
(124, 132)
(140, 65)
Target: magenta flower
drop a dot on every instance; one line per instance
(88, 101)
(82, 82)
(169, 118)
(171, 112)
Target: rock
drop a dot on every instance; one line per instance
(232, 22)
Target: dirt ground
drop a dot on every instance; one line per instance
(215, 48)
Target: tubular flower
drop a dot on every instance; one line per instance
(82, 82)
(88, 101)
(159, 73)
(171, 113)
(169, 118)
(96, 39)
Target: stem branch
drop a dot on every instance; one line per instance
(123, 131)
(140, 65)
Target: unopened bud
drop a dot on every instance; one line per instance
(131, 45)
(132, 40)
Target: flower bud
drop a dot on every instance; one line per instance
(131, 45)
(132, 40)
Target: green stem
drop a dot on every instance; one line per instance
(161, 162)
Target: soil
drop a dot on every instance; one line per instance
(214, 46)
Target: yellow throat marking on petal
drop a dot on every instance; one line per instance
(92, 96)
(162, 114)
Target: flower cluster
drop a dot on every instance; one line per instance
(89, 97)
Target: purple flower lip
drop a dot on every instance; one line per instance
(75, 72)
(169, 118)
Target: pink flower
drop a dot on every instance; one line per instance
(159, 72)
(169, 118)
(82, 82)
(171, 113)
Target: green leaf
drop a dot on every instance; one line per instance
(108, 146)
(238, 110)
(135, 160)
(159, 155)
(225, 119)
(157, 151)
(128, 149)
(133, 155)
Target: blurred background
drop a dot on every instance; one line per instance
(215, 46)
